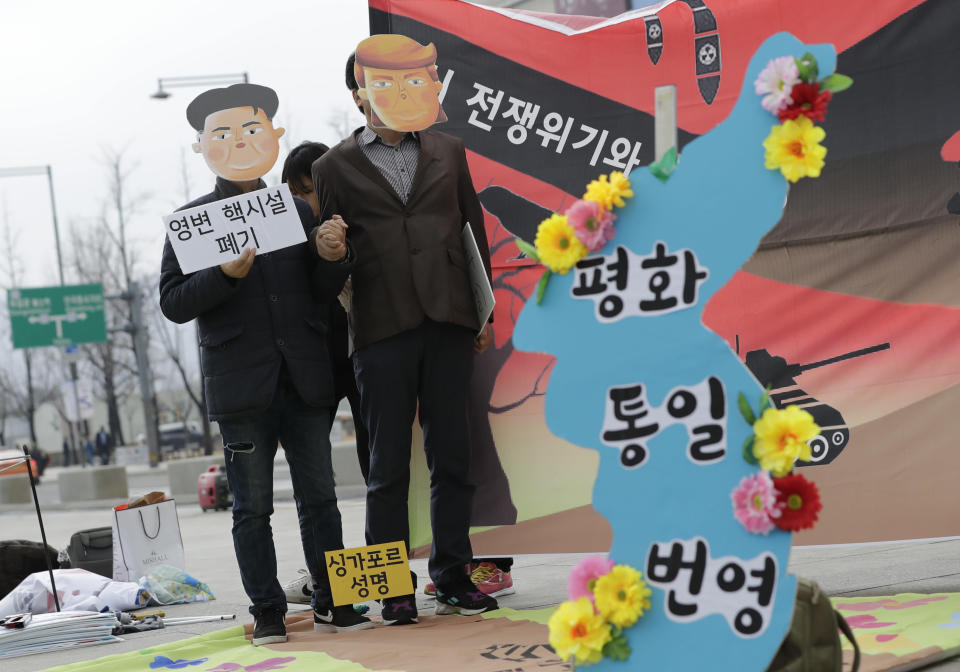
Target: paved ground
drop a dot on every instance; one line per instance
(924, 566)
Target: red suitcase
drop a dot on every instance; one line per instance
(213, 490)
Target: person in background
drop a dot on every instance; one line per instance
(88, 447)
(104, 445)
(296, 174)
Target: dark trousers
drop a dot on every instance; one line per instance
(345, 385)
(430, 364)
(250, 446)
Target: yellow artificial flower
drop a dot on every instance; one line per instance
(557, 244)
(781, 438)
(794, 147)
(577, 630)
(622, 595)
(609, 193)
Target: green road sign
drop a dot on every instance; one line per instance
(60, 316)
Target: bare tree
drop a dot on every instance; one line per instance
(342, 122)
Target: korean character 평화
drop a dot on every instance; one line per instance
(670, 284)
(525, 116)
(255, 207)
(619, 150)
(181, 228)
(488, 103)
(379, 581)
(588, 138)
(275, 201)
(233, 212)
(554, 131)
(665, 570)
(199, 220)
(361, 583)
(228, 243)
(340, 570)
(590, 281)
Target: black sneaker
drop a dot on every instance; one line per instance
(339, 619)
(269, 627)
(463, 597)
(399, 610)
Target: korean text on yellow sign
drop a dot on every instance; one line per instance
(369, 573)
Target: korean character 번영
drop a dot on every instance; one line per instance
(732, 578)
(255, 207)
(623, 422)
(181, 228)
(379, 580)
(665, 569)
(275, 201)
(666, 274)
(341, 569)
(228, 243)
(234, 211)
(702, 409)
(554, 131)
(199, 220)
(525, 116)
(361, 583)
(488, 103)
(588, 138)
(619, 150)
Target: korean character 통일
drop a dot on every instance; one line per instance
(255, 207)
(228, 243)
(588, 138)
(379, 580)
(624, 422)
(619, 150)
(374, 561)
(340, 570)
(732, 577)
(358, 561)
(181, 228)
(665, 569)
(247, 235)
(525, 116)
(275, 201)
(234, 211)
(555, 131)
(199, 220)
(361, 583)
(702, 409)
(394, 557)
(488, 103)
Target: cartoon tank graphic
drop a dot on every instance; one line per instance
(774, 372)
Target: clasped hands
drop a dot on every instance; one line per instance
(332, 239)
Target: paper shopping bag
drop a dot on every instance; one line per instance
(144, 537)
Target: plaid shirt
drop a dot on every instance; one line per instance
(398, 164)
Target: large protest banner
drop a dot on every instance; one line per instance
(846, 308)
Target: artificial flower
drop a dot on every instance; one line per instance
(622, 595)
(776, 82)
(799, 502)
(794, 148)
(557, 245)
(592, 224)
(609, 192)
(808, 101)
(584, 576)
(781, 438)
(577, 630)
(755, 503)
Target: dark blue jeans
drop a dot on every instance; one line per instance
(250, 445)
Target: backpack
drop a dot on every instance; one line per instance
(813, 642)
(19, 559)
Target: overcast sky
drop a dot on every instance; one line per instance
(76, 83)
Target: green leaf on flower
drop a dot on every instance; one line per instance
(745, 409)
(748, 450)
(618, 648)
(542, 285)
(667, 164)
(765, 400)
(527, 249)
(836, 83)
(808, 68)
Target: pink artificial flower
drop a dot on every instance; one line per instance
(583, 577)
(776, 82)
(592, 224)
(755, 503)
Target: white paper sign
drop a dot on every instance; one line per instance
(479, 283)
(218, 232)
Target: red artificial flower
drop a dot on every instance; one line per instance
(808, 101)
(799, 502)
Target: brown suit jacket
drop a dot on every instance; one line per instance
(410, 262)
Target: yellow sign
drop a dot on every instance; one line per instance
(369, 573)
